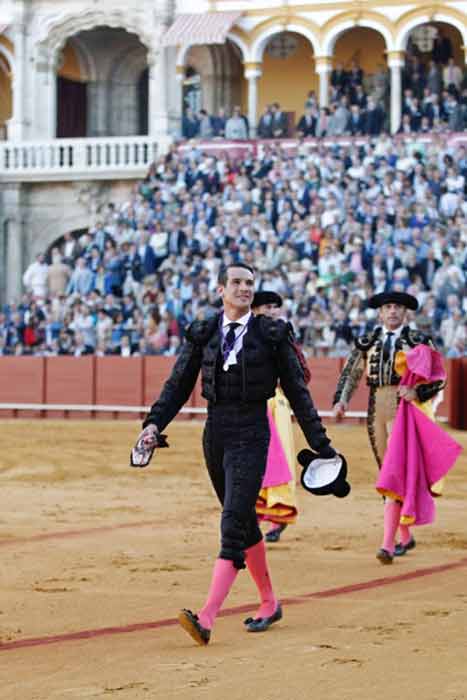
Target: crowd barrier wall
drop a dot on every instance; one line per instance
(137, 381)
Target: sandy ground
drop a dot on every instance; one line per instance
(88, 544)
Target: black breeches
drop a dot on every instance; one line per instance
(235, 443)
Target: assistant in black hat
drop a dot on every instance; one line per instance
(400, 298)
(266, 298)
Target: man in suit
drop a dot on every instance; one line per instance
(264, 130)
(355, 123)
(241, 358)
(279, 122)
(190, 125)
(373, 119)
(391, 263)
(339, 78)
(306, 127)
(428, 267)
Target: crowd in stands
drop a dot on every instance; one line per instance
(326, 227)
(434, 99)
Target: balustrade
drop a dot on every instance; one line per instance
(107, 158)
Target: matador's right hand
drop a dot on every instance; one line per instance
(148, 440)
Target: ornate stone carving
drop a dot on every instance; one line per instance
(54, 31)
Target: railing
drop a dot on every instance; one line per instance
(106, 158)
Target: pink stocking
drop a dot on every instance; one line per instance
(405, 534)
(223, 576)
(258, 568)
(392, 514)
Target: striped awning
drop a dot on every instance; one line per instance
(201, 28)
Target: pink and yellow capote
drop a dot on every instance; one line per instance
(419, 453)
(276, 500)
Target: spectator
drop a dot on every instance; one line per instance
(452, 76)
(280, 125)
(264, 130)
(36, 276)
(81, 281)
(218, 123)
(235, 128)
(190, 124)
(205, 125)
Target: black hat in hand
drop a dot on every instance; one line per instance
(323, 477)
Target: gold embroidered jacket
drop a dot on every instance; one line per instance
(367, 353)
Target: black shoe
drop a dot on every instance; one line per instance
(400, 549)
(275, 535)
(261, 624)
(384, 556)
(191, 624)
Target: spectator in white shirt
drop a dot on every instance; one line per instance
(35, 277)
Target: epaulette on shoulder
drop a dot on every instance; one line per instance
(199, 332)
(365, 342)
(415, 337)
(273, 330)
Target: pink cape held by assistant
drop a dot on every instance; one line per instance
(420, 453)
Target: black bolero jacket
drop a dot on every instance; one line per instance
(268, 356)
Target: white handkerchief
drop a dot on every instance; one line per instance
(231, 360)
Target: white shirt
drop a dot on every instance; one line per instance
(240, 333)
(395, 334)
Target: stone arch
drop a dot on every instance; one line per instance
(88, 69)
(276, 25)
(54, 34)
(240, 42)
(348, 20)
(432, 13)
(236, 36)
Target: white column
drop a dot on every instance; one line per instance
(17, 123)
(395, 64)
(158, 121)
(323, 68)
(12, 200)
(252, 73)
(44, 117)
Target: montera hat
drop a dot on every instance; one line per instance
(401, 298)
(266, 297)
(323, 477)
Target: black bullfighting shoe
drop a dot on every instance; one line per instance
(400, 549)
(275, 534)
(191, 624)
(261, 624)
(384, 556)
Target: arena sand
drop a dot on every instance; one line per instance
(89, 544)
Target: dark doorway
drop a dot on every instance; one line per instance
(143, 103)
(71, 108)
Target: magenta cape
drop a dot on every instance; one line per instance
(419, 452)
(277, 468)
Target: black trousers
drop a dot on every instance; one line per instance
(235, 442)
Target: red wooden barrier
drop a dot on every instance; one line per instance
(156, 371)
(119, 382)
(138, 381)
(22, 380)
(324, 375)
(70, 380)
